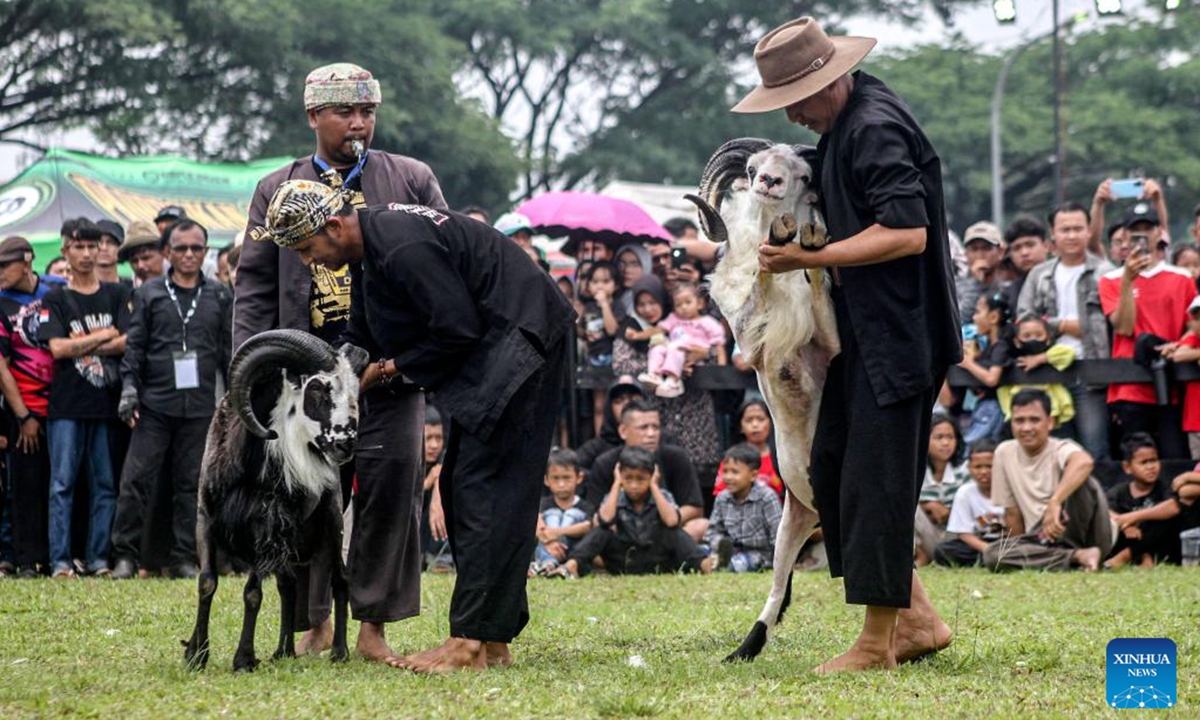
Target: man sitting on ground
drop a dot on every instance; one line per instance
(640, 427)
(1055, 512)
(638, 527)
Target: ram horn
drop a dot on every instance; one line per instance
(267, 353)
(726, 166)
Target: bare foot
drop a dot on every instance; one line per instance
(498, 655)
(372, 645)
(918, 635)
(1087, 558)
(316, 640)
(452, 655)
(857, 659)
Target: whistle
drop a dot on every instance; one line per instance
(357, 148)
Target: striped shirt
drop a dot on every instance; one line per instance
(943, 492)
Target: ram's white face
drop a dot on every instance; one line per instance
(330, 409)
(778, 175)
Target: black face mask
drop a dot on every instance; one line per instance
(1033, 347)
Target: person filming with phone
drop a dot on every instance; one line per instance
(1147, 303)
(1146, 190)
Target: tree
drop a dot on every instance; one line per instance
(222, 79)
(590, 88)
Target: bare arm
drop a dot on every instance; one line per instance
(1100, 200)
(1164, 510)
(1074, 475)
(116, 346)
(1125, 316)
(973, 541)
(1014, 521)
(62, 348)
(876, 244)
(607, 513)
(671, 516)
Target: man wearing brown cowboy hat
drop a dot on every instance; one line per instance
(275, 289)
(881, 192)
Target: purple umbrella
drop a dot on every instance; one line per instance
(580, 216)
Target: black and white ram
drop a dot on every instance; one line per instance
(784, 323)
(270, 497)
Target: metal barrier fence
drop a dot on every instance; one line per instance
(713, 377)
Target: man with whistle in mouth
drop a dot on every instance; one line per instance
(276, 290)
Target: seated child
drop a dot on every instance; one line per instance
(687, 329)
(1032, 349)
(564, 516)
(974, 520)
(945, 473)
(435, 546)
(1143, 508)
(745, 517)
(638, 527)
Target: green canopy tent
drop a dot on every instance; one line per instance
(64, 184)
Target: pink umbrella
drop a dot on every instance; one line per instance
(579, 216)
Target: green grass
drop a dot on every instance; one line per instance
(1027, 646)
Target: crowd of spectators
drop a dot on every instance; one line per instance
(110, 383)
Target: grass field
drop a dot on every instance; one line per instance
(1027, 646)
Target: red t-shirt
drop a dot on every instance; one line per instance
(1191, 399)
(1163, 294)
(766, 475)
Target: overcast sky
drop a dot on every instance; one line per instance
(978, 25)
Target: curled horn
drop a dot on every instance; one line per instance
(725, 166)
(268, 353)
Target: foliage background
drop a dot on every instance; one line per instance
(506, 98)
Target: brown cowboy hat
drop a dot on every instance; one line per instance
(796, 60)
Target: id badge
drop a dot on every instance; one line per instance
(187, 370)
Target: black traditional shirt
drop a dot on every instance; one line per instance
(157, 331)
(876, 166)
(463, 311)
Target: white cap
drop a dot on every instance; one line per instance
(509, 223)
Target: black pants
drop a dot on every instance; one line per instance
(1160, 540)
(1162, 422)
(671, 550)
(154, 438)
(29, 478)
(490, 493)
(868, 462)
(954, 553)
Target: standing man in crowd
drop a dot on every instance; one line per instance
(25, 375)
(167, 215)
(1028, 247)
(84, 326)
(111, 237)
(178, 341)
(142, 249)
(893, 293)
(985, 248)
(275, 289)
(1065, 291)
(1146, 297)
(454, 306)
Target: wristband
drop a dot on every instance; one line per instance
(22, 418)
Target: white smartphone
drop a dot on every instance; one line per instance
(1128, 188)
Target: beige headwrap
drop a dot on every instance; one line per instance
(298, 210)
(340, 84)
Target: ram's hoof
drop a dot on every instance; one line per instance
(783, 229)
(813, 237)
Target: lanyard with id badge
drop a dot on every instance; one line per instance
(187, 366)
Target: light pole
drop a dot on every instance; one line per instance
(1059, 158)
